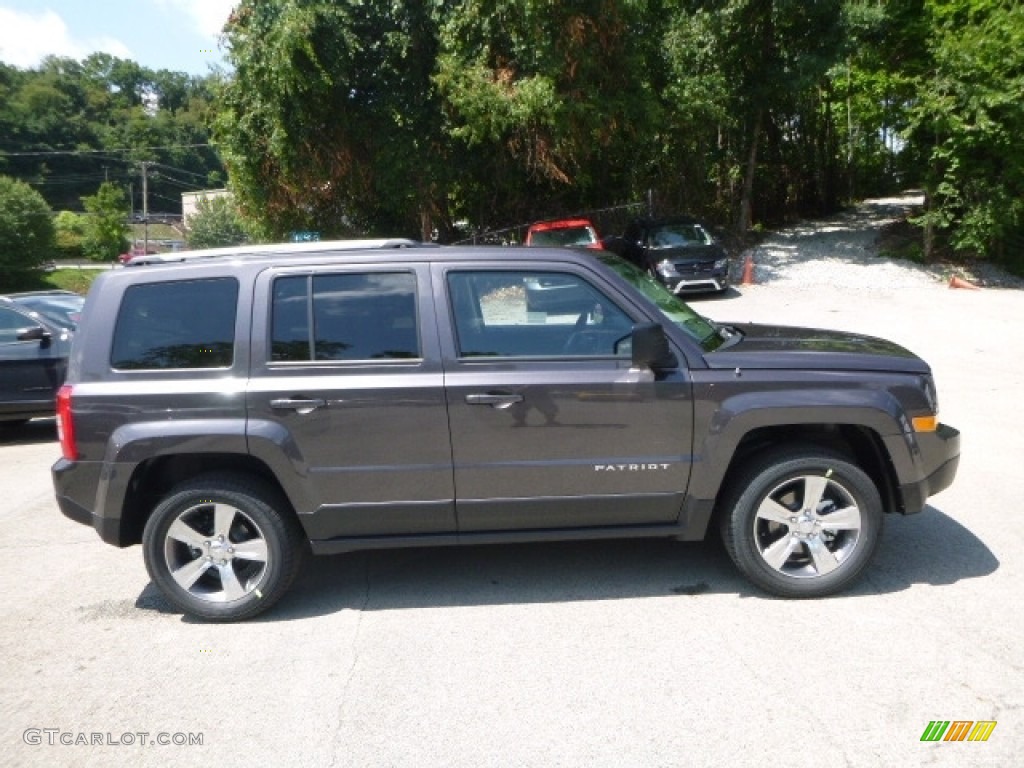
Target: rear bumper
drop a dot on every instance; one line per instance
(939, 459)
(74, 484)
(109, 530)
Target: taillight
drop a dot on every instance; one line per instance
(65, 424)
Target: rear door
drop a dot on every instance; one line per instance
(347, 380)
(551, 428)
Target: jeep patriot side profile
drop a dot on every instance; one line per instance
(242, 407)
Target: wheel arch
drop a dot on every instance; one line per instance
(154, 478)
(858, 444)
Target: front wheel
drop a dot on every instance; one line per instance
(221, 547)
(802, 523)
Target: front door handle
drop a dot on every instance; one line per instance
(298, 404)
(494, 399)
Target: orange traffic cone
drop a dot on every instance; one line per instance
(748, 270)
(958, 282)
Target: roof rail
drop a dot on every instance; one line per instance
(243, 251)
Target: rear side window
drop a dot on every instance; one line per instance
(350, 316)
(182, 324)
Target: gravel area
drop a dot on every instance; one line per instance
(842, 252)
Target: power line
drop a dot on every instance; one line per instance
(188, 185)
(72, 152)
(179, 170)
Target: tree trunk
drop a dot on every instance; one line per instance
(744, 222)
(929, 229)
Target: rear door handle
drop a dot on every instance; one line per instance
(494, 399)
(297, 404)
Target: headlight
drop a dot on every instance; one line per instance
(722, 264)
(667, 269)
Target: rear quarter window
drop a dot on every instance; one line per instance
(173, 325)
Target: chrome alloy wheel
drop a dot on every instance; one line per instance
(807, 526)
(215, 552)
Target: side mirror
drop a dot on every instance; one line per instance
(651, 348)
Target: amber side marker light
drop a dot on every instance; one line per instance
(925, 423)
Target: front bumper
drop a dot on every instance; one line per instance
(694, 285)
(716, 280)
(939, 459)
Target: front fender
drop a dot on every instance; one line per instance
(739, 415)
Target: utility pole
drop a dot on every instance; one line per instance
(145, 207)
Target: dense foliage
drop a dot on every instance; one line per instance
(216, 223)
(105, 230)
(452, 117)
(418, 118)
(968, 124)
(26, 230)
(66, 126)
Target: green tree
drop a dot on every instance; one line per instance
(747, 98)
(26, 229)
(216, 223)
(70, 229)
(330, 121)
(106, 224)
(553, 99)
(967, 124)
(53, 118)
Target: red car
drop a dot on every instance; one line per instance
(579, 233)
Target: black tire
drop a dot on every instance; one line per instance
(223, 547)
(788, 549)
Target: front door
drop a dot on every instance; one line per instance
(550, 426)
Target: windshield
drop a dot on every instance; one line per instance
(677, 310)
(61, 310)
(563, 236)
(677, 236)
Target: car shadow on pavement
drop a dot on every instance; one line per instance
(32, 432)
(931, 548)
(729, 293)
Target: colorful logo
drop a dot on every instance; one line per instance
(958, 730)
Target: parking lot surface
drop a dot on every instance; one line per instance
(612, 653)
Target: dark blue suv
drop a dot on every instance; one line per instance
(679, 252)
(35, 339)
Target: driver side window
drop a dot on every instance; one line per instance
(534, 314)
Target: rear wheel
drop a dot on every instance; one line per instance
(802, 522)
(223, 547)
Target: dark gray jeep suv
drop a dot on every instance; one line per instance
(238, 409)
